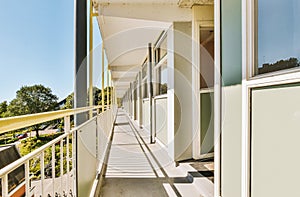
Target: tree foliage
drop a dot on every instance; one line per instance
(32, 99)
(3, 109)
(69, 104)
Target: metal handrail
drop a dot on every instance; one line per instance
(18, 122)
(28, 120)
(14, 165)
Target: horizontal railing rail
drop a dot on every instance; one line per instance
(19, 122)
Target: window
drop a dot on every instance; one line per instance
(206, 57)
(144, 80)
(161, 47)
(277, 35)
(162, 78)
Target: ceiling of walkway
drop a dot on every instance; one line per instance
(127, 26)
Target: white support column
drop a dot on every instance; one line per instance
(107, 88)
(217, 100)
(196, 84)
(102, 90)
(150, 93)
(131, 99)
(91, 97)
(140, 100)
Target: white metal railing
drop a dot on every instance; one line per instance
(62, 185)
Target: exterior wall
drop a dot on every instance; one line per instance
(161, 119)
(231, 64)
(231, 141)
(275, 142)
(146, 123)
(182, 90)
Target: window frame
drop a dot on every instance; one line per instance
(157, 71)
(252, 44)
(250, 81)
(144, 81)
(159, 62)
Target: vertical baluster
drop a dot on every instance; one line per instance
(42, 160)
(74, 186)
(67, 128)
(67, 124)
(68, 163)
(4, 181)
(27, 178)
(61, 165)
(53, 169)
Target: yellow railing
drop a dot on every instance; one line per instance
(18, 122)
(13, 123)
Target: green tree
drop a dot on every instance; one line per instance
(3, 109)
(69, 102)
(32, 99)
(110, 89)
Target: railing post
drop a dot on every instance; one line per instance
(68, 163)
(53, 168)
(4, 182)
(27, 178)
(67, 124)
(61, 164)
(42, 161)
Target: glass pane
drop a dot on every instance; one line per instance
(278, 35)
(206, 57)
(163, 48)
(145, 89)
(207, 123)
(163, 79)
(144, 70)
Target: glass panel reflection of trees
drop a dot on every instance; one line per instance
(162, 79)
(277, 35)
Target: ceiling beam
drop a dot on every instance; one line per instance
(190, 3)
(124, 79)
(165, 12)
(134, 68)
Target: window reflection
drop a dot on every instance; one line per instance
(277, 35)
(163, 78)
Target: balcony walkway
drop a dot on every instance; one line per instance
(137, 168)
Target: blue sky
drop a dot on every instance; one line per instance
(278, 30)
(37, 45)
